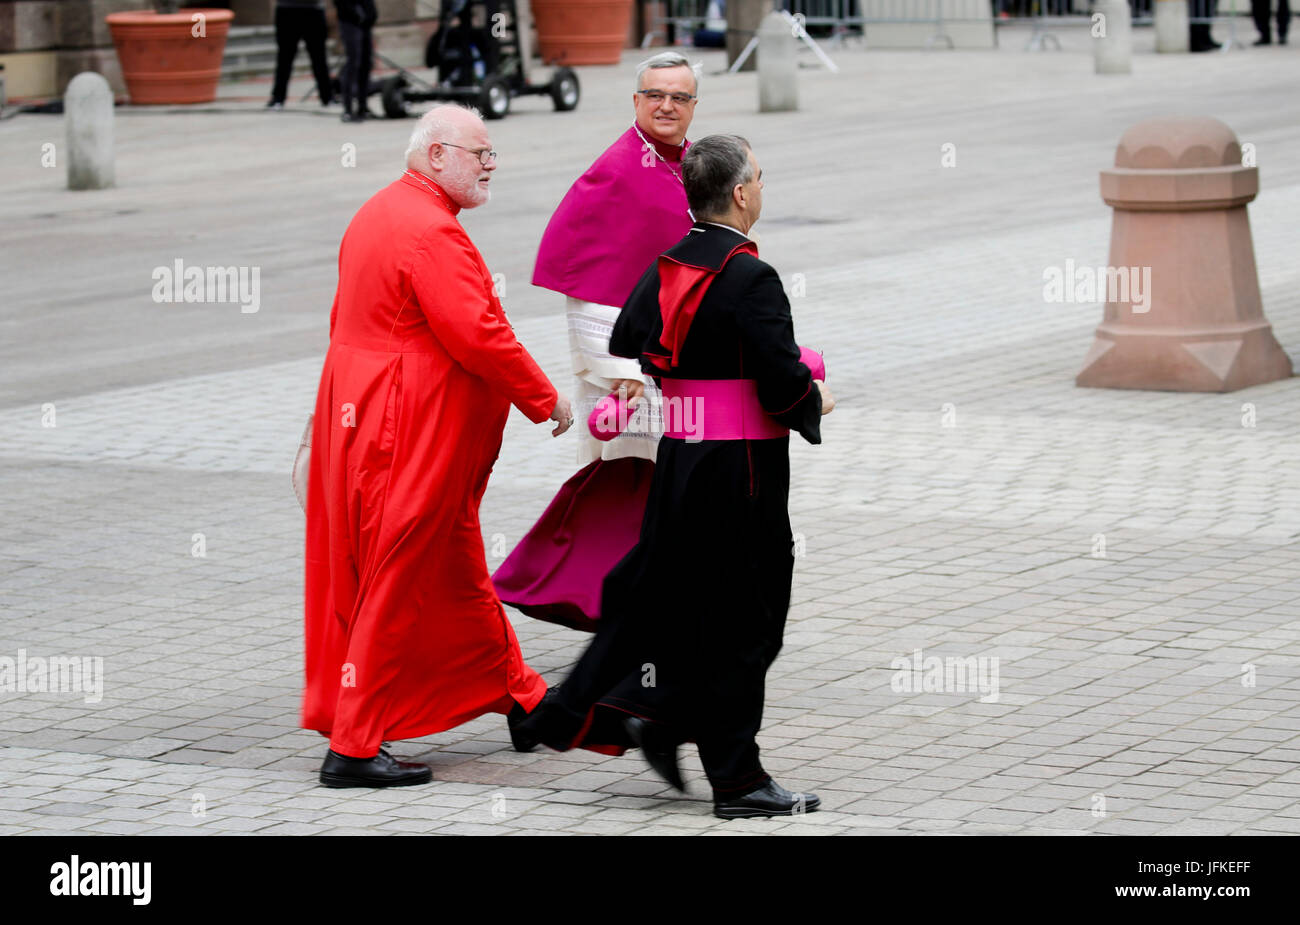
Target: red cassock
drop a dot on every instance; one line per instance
(405, 635)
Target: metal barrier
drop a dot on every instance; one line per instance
(845, 18)
(1044, 15)
(851, 17)
(798, 31)
(681, 16)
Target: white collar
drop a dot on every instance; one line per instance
(729, 228)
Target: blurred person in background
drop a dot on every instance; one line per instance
(1260, 10)
(356, 22)
(300, 21)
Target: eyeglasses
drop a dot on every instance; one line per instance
(657, 97)
(485, 155)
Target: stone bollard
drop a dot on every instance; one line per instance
(1183, 310)
(88, 115)
(1112, 51)
(1171, 26)
(743, 19)
(778, 89)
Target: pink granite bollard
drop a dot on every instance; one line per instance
(1179, 192)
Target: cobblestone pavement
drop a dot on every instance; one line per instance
(1128, 558)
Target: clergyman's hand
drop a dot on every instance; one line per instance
(635, 389)
(562, 414)
(828, 400)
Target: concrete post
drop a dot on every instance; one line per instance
(88, 117)
(1171, 26)
(743, 18)
(1112, 41)
(1183, 309)
(524, 35)
(778, 87)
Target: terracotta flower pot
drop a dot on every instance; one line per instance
(164, 60)
(581, 31)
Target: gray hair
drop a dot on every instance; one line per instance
(711, 168)
(434, 126)
(668, 59)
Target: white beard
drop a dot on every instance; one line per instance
(462, 185)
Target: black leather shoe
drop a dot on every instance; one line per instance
(659, 752)
(771, 799)
(520, 739)
(383, 770)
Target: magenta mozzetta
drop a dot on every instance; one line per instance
(628, 204)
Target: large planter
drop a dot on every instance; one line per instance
(162, 58)
(572, 32)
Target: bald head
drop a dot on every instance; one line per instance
(448, 122)
(447, 146)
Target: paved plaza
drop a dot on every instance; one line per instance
(1122, 566)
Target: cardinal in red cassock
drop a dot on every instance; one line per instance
(405, 636)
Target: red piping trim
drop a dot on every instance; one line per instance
(743, 245)
(586, 727)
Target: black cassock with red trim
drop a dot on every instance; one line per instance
(693, 616)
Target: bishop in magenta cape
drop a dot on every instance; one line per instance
(615, 220)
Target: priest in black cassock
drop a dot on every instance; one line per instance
(693, 616)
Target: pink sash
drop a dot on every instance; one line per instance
(704, 409)
(716, 409)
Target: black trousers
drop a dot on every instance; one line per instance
(692, 617)
(1259, 9)
(294, 24)
(1199, 33)
(354, 81)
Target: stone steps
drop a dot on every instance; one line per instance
(250, 52)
